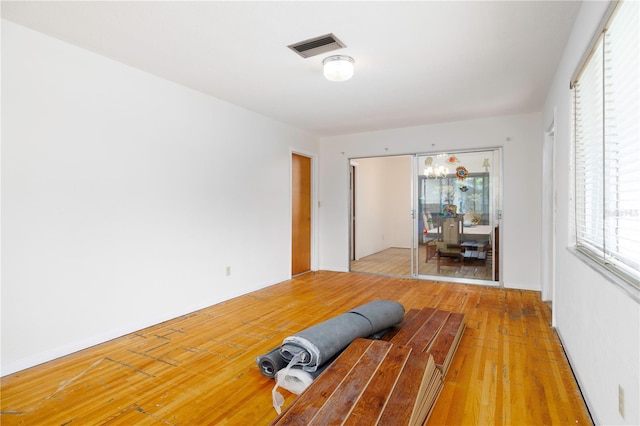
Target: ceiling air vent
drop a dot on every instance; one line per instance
(317, 45)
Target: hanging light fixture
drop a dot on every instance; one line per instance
(435, 170)
(338, 67)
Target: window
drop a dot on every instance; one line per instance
(606, 113)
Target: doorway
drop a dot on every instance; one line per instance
(428, 216)
(380, 224)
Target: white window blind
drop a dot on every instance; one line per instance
(607, 147)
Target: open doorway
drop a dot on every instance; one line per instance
(430, 216)
(380, 231)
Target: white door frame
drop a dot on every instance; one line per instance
(548, 214)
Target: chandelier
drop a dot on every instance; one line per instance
(435, 170)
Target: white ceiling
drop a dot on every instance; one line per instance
(417, 62)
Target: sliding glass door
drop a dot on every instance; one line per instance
(457, 205)
(430, 216)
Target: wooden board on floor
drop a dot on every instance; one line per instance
(396, 380)
(371, 382)
(446, 342)
(431, 330)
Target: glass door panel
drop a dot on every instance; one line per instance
(456, 215)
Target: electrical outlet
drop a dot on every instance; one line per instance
(228, 270)
(621, 400)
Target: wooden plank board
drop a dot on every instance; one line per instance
(376, 396)
(408, 316)
(387, 384)
(408, 393)
(409, 330)
(425, 335)
(304, 408)
(434, 392)
(445, 344)
(341, 402)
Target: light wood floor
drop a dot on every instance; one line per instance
(200, 368)
(397, 261)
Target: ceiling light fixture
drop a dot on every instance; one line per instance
(435, 171)
(338, 67)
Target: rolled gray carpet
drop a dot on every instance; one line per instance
(271, 362)
(321, 342)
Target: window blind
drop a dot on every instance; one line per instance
(607, 147)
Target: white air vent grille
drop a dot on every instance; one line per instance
(317, 45)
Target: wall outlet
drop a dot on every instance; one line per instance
(228, 270)
(621, 400)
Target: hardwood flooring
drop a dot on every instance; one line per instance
(391, 261)
(200, 368)
(397, 261)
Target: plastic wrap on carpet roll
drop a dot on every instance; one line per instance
(295, 380)
(319, 343)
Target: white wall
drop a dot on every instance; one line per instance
(397, 201)
(522, 156)
(383, 204)
(125, 197)
(599, 322)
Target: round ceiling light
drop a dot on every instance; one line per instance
(338, 67)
